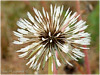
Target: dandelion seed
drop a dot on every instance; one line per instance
(45, 33)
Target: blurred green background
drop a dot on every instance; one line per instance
(12, 11)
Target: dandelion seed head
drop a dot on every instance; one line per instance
(48, 33)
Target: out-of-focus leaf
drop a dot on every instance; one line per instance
(81, 61)
(93, 21)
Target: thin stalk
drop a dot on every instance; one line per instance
(54, 65)
(85, 51)
(50, 66)
(87, 61)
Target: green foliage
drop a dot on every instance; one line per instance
(81, 61)
(93, 21)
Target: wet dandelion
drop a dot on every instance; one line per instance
(50, 33)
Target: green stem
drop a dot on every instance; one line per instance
(50, 65)
(54, 65)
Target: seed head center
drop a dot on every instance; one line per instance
(52, 38)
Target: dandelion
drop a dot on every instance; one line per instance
(50, 33)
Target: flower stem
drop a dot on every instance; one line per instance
(54, 65)
(85, 51)
(50, 65)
